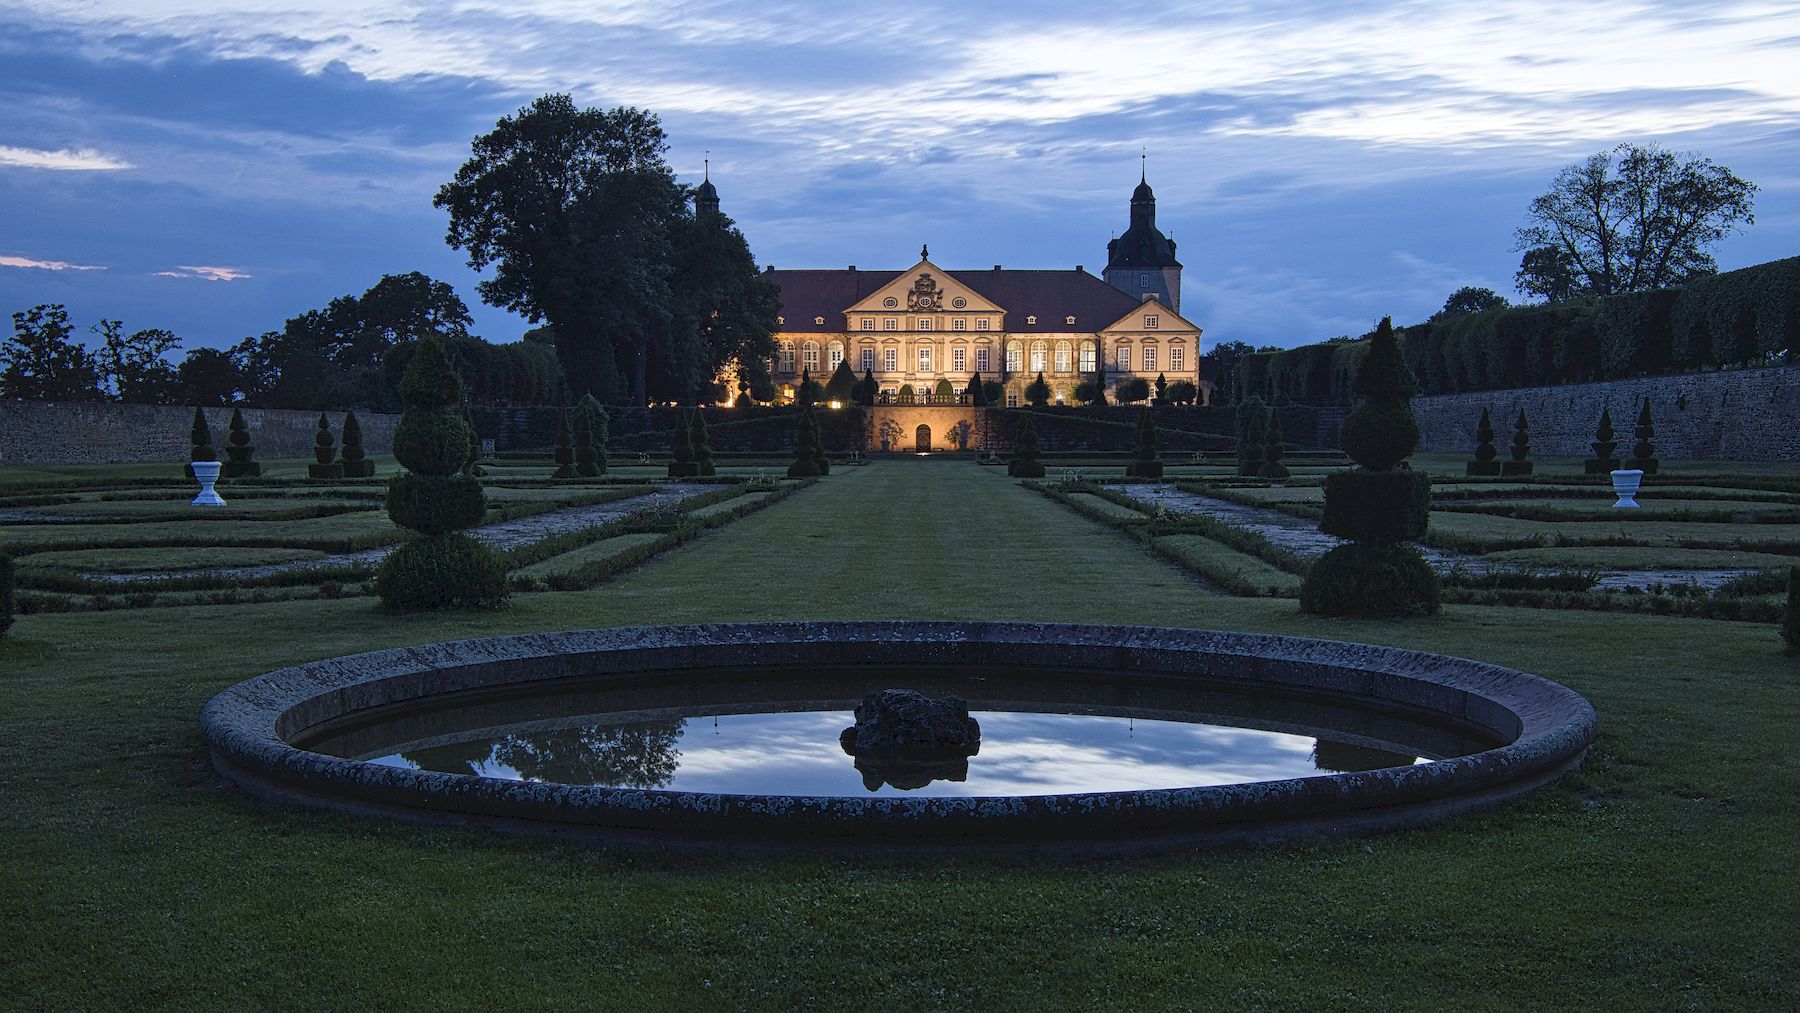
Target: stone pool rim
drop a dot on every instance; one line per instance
(247, 728)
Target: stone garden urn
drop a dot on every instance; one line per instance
(208, 473)
(1625, 486)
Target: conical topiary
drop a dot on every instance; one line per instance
(200, 438)
(1486, 457)
(1253, 420)
(702, 441)
(356, 461)
(1144, 462)
(1024, 462)
(1378, 506)
(587, 462)
(869, 389)
(324, 453)
(441, 567)
(840, 389)
(977, 393)
(1038, 392)
(1161, 386)
(1643, 453)
(565, 447)
(809, 390)
(819, 456)
(599, 424)
(681, 449)
(806, 448)
(1273, 449)
(1605, 443)
(240, 455)
(472, 466)
(1521, 449)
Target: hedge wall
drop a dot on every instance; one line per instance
(1743, 317)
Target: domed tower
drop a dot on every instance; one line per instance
(706, 196)
(1142, 262)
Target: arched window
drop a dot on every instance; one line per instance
(787, 357)
(1015, 356)
(1062, 356)
(1038, 352)
(834, 354)
(809, 355)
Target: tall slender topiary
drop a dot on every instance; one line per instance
(587, 461)
(822, 459)
(1252, 420)
(1521, 449)
(1024, 461)
(1605, 443)
(1038, 392)
(702, 441)
(1273, 449)
(324, 453)
(1486, 457)
(600, 424)
(1378, 506)
(681, 450)
(200, 436)
(806, 447)
(869, 389)
(565, 447)
(8, 577)
(440, 567)
(1162, 390)
(472, 465)
(809, 390)
(1790, 621)
(356, 461)
(1643, 453)
(1144, 463)
(241, 456)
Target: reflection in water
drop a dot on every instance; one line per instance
(637, 755)
(798, 753)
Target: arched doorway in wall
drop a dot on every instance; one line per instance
(922, 439)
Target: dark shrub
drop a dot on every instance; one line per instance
(1485, 462)
(993, 391)
(977, 390)
(806, 447)
(1790, 621)
(842, 385)
(356, 462)
(1381, 432)
(7, 578)
(1144, 462)
(810, 391)
(599, 423)
(1161, 388)
(819, 456)
(445, 571)
(1024, 461)
(1038, 392)
(1521, 449)
(1605, 443)
(905, 394)
(436, 504)
(472, 464)
(1643, 453)
(1131, 390)
(1392, 506)
(241, 454)
(944, 392)
(1252, 422)
(565, 448)
(682, 465)
(433, 442)
(1184, 392)
(1273, 449)
(587, 455)
(1089, 392)
(324, 449)
(1371, 579)
(867, 389)
(702, 441)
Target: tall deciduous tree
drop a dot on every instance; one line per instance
(44, 362)
(721, 310)
(135, 365)
(573, 209)
(1631, 219)
(1464, 301)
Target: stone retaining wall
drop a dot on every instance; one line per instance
(1731, 415)
(63, 432)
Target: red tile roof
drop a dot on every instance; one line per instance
(1050, 296)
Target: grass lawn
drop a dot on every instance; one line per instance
(1661, 875)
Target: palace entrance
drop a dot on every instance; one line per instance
(922, 439)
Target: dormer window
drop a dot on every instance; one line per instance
(1031, 320)
(1143, 281)
(818, 320)
(1069, 320)
(1151, 321)
(780, 320)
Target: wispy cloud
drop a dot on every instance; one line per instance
(46, 265)
(205, 273)
(61, 160)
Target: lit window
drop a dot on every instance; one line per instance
(1175, 357)
(781, 320)
(1062, 356)
(1151, 321)
(1037, 357)
(809, 355)
(925, 359)
(787, 356)
(981, 325)
(1087, 357)
(1015, 357)
(834, 354)
(1125, 360)
(959, 359)
(1149, 359)
(868, 323)
(959, 324)
(1012, 399)
(868, 359)
(924, 323)
(890, 359)
(981, 360)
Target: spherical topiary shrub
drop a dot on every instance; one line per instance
(7, 579)
(356, 462)
(240, 454)
(1371, 579)
(436, 497)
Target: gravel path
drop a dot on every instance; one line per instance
(1303, 537)
(499, 535)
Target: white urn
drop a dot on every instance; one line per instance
(207, 472)
(1625, 486)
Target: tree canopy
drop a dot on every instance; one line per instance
(1631, 219)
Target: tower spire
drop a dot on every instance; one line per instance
(1144, 165)
(706, 167)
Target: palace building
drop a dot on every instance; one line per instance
(922, 331)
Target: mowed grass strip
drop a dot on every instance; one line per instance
(170, 559)
(1661, 874)
(569, 561)
(1234, 571)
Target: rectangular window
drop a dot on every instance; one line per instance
(981, 325)
(959, 324)
(1087, 357)
(868, 359)
(1124, 360)
(924, 323)
(981, 360)
(925, 360)
(1143, 281)
(834, 356)
(1012, 399)
(959, 359)
(811, 357)
(1149, 359)
(868, 323)
(787, 358)
(1175, 358)
(890, 324)
(1151, 321)
(1062, 358)
(890, 359)
(1037, 358)
(1014, 355)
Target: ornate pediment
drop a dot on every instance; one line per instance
(927, 288)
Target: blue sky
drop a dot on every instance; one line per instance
(216, 167)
